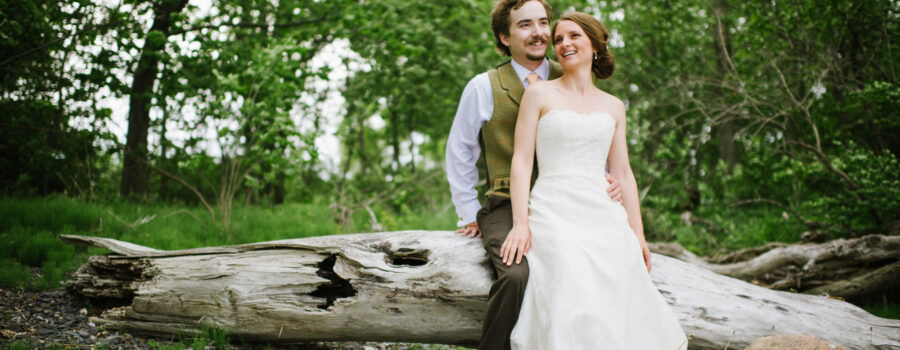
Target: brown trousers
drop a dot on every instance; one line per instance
(505, 297)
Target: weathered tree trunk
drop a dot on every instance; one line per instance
(846, 268)
(414, 286)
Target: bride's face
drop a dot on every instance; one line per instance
(571, 45)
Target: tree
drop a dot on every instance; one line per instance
(51, 78)
(782, 78)
(135, 172)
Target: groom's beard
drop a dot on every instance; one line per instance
(535, 58)
(534, 40)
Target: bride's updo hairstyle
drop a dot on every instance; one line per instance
(604, 65)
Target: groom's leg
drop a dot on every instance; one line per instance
(505, 298)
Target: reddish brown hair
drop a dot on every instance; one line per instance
(604, 65)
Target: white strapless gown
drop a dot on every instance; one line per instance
(588, 287)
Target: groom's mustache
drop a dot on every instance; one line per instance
(538, 39)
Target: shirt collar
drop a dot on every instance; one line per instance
(542, 71)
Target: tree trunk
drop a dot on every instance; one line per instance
(395, 140)
(135, 172)
(411, 286)
(722, 42)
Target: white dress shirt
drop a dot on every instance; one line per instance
(475, 108)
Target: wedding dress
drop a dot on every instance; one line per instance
(588, 287)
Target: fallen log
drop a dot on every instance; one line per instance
(411, 286)
(846, 268)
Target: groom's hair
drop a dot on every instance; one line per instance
(500, 20)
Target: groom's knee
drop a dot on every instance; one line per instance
(515, 276)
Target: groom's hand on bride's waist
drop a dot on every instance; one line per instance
(470, 230)
(614, 190)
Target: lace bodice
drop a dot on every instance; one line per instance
(572, 143)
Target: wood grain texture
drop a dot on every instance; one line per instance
(411, 286)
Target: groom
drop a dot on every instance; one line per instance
(484, 126)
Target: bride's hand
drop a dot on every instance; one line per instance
(516, 245)
(645, 250)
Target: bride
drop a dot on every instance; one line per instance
(589, 286)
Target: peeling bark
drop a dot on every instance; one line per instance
(411, 286)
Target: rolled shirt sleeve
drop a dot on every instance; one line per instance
(475, 108)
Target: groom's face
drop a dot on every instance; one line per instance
(529, 32)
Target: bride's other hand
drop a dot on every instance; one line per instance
(645, 250)
(470, 230)
(516, 245)
(614, 190)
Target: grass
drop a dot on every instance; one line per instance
(726, 228)
(882, 305)
(890, 310)
(18, 346)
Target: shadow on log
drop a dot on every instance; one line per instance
(410, 286)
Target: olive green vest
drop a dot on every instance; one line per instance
(497, 134)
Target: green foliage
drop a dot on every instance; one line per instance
(43, 249)
(42, 153)
(15, 345)
(34, 250)
(13, 275)
(217, 337)
(888, 310)
(790, 108)
(51, 128)
(762, 120)
(54, 214)
(877, 200)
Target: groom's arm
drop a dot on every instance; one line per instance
(475, 108)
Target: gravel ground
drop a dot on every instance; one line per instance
(59, 320)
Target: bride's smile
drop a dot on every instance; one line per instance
(571, 45)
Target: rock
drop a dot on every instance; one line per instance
(110, 339)
(791, 342)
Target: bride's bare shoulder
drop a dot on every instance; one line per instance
(541, 87)
(541, 92)
(612, 104)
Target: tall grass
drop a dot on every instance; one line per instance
(723, 229)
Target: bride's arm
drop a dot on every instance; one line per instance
(518, 241)
(620, 168)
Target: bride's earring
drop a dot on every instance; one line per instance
(595, 56)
